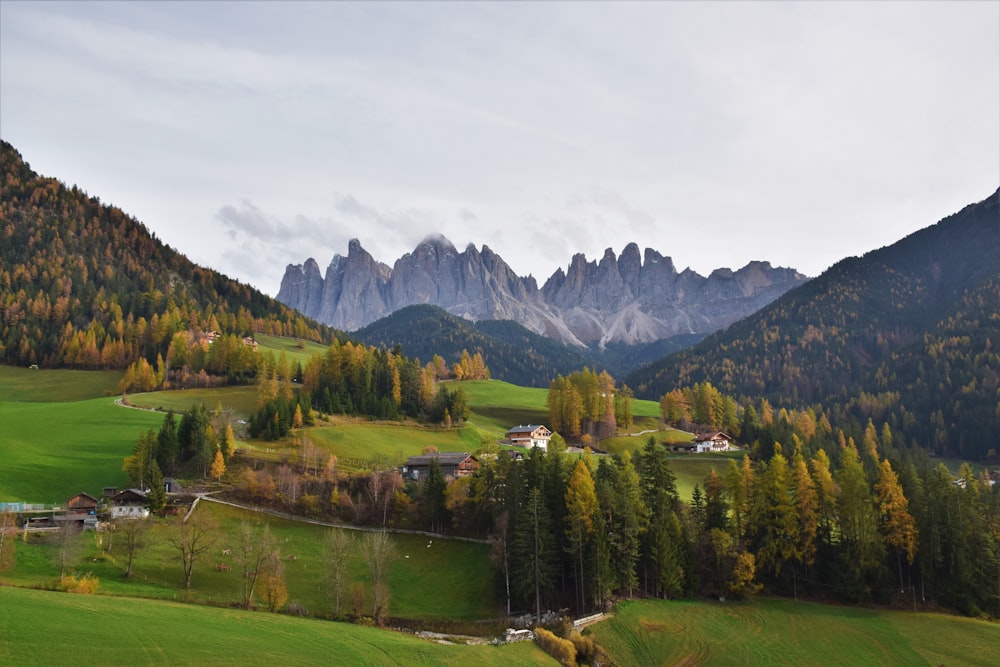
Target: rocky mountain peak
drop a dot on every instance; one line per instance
(632, 298)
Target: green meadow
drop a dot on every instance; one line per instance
(47, 628)
(786, 632)
(51, 451)
(242, 400)
(422, 578)
(46, 386)
(295, 350)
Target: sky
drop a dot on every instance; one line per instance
(253, 135)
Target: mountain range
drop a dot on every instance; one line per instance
(631, 299)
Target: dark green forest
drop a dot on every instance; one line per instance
(905, 335)
(514, 353)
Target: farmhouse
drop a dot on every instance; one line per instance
(531, 435)
(129, 504)
(713, 442)
(82, 503)
(453, 465)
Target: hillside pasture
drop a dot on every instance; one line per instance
(241, 399)
(359, 445)
(169, 633)
(295, 349)
(785, 632)
(51, 451)
(431, 578)
(43, 385)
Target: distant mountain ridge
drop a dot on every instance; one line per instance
(630, 299)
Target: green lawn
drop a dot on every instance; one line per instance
(51, 451)
(785, 632)
(45, 628)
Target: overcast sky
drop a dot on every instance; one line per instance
(251, 135)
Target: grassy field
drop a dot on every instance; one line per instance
(21, 385)
(784, 632)
(51, 451)
(243, 400)
(45, 628)
(418, 569)
(295, 350)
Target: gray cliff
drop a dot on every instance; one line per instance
(631, 299)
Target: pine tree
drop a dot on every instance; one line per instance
(897, 523)
(774, 522)
(218, 465)
(535, 552)
(581, 507)
(156, 497)
(861, 544)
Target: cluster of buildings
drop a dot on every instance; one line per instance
(461, 464)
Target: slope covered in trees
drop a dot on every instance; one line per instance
(514, 354)
(905, 334)
(84, 285)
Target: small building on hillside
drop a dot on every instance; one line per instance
(713, 442)
(129, 504)
(82, 503)
(453, 464)
(530, 435)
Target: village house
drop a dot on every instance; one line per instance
(453, 464)
(531, 435)
(82, 503)
(713, 442)
(129, 504)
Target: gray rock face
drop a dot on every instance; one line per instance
(630, 299)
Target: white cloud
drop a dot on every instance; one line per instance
(254, 135)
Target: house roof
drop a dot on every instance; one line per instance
(530, 428)
(444, 458)
(717, 435)
(129, 495)
(83, 494)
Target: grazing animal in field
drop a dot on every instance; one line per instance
(292, 558)
(223, 567)
(227, 552)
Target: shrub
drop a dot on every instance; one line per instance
(84, 585)
(561, 649)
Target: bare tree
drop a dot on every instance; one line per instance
(257, 545)
(192, 538)
(132, 536)
(339, 544)
(382, 487)
(68, 542)
(8, 540)
(379, 551)
(500, 550)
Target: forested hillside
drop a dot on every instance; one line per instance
(904, 335)
(513, 353)
(83, 284)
